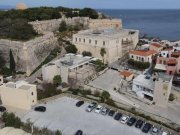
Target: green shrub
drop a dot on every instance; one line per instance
(138, 64)
(71, 49)
(86, 53)
(171, 97)
(97, 93)
(110, 102)
(86, 92)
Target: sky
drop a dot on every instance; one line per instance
(99, 4)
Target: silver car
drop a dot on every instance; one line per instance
(91, 107)
(104, 111)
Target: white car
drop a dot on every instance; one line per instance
(98, 109)
(164, 133)
(124, 119)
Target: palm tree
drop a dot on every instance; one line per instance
(103, 52)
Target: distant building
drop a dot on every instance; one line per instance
(156, 88)
(166, 52)
(142, 55)
(105, 23)
(115, 42)
(70, 66)
(156, 47)
(127, 75)
(21, 6)
(19, 95)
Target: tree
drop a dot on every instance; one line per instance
(2, 61)
(86, 53)
(58, 132)
(71, 49)
(105, 96)
(103, 52)
(12, 62)
(171, 97)
(57, 80)
(63, 26)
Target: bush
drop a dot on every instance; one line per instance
(71, 49)
(105, 96)
(49, 90)
(111, 102)
(57, 80)
(171, 97)
(11, 120)
(86, 53)
(86, 92)
(138, 64)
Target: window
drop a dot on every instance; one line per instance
(33, 101)
(32, 93)
(79, 39)
(96, 42)
(132, 56)
(90, 41)
(76, 39)
(84, 40)
(104, 42)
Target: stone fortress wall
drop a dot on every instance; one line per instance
(28, 55)
(53, 25)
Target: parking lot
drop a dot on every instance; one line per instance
(62, 114)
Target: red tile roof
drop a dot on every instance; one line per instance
(156, 45)
(126, 73)
(168, 49)
(176, 53)
(143, 52)
(171, 61)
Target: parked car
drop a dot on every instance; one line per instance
(164, 133)
(131, 121)
(104, 111)
(124, 119)
(154, 131)
(79, 132)
(146, 127)
(79, 103)
(91, 107)
(98, 109)
(111, 113)
(40, 108)
(2, 109)
(118, 116)
(139, 124)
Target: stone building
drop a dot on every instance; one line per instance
(105, 23)
(19, 95)
(69, 67)
(116, 42)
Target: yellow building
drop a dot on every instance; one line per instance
(19, 95)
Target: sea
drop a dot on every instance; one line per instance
(164, 24)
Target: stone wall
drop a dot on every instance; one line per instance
(53, 25)
(28, 55)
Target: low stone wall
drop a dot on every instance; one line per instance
(28, 55)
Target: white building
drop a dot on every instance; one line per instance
(19, 95)
(116, 42)
(142, 55)
(155, 88)
(70, 66)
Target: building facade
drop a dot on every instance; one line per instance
(69, 67)
(156, 47)
(115, 42)
(105, 23)
(19, 95)
(156, 88)
(142, 55)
